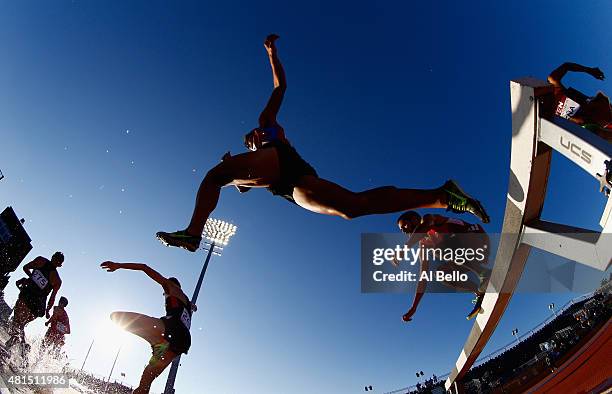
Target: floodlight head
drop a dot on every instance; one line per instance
(218, 232)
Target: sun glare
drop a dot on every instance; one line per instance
(109, 332)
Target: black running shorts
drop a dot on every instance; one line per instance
(292, 168)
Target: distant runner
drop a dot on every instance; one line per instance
(42, 280)
(593, 113)
(168, 336)
(59, 327)
(274, 163)
(436, 231)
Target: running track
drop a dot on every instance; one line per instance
(588, 370)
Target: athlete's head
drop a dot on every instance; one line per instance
(175, 281)
(408, 222)
(57, 259)
(63, 302)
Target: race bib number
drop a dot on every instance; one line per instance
(568, 108)
(38, 278)
(62, 329)
(186, 319)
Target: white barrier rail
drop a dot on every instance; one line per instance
(534, 136)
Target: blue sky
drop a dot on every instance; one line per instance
(379, 94)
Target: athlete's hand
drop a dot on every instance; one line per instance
(110, 266)
(269, 43)
(408, 316)
(597, 73)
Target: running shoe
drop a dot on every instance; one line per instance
(477, 307)
(180, 239)
(459, 201)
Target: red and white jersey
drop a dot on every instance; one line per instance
(60, 325)
(437, 233)
(566, 107)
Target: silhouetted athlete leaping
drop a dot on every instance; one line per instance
(168, 336)
(274, 164)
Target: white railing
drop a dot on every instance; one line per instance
(535, 134)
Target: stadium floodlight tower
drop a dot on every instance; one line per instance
(216, 235)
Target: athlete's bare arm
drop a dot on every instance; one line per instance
(267, 117)
(413, 240)
(52, 318)
(420, 290)
(278, 73)
(557, 75)
(111, 266)
(56, 283)
(36, 263)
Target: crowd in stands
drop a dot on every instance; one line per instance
(432, 385)
(99, 385)
(537, 355)
(545, 349)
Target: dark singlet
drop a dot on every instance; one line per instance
(39, 280)
(292, 166)
(177, 310)
(177, 323)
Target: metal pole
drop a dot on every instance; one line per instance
(201, 278)
(87, 355)
(111, 371)
(175, 363)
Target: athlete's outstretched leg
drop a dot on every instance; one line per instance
(149, 328)
(467, 286)
(153, 370)
(21, 317)
(322, 196)
(253, 169)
